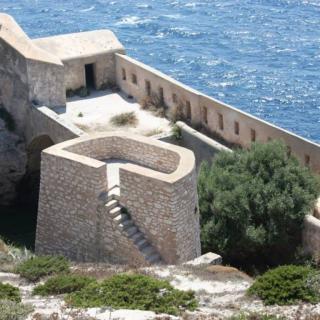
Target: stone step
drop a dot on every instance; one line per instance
(154, 259)
(115, 211)
(148, 250)
(137, 236)
(121, 218)
(114, 194)
(125, 224)
(111, 204)
(142, 243)
(131, 230)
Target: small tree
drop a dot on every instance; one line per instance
(253, 203)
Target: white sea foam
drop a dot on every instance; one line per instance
(88, 9)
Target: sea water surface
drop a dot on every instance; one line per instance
(261, 56)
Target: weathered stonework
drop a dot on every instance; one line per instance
(78, 212)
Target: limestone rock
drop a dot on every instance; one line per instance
(206, 259)
(13, 160)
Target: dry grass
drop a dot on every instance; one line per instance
(124, 119)
(153, 132)
(154, 105)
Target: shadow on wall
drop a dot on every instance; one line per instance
(18, 221)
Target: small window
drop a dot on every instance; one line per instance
(148, 88)
(288, 150)
(124, 74)
(174, 98)
(220, 121)
(205, 115)
(307, 160)
(188, 110)
(161, 95)
(253, 135)
(134, 78)
(236, 128)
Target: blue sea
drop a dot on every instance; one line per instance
(261, 56)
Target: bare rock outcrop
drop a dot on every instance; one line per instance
(13, 160)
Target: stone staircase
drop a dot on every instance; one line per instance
(122, 220)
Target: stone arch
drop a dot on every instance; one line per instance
(34, 152)
(28, 188)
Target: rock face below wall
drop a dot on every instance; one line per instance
(13, 160)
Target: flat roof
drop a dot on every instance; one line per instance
(79, 45)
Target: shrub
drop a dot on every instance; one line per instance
(11, 310)
(70, 93)
(80, 114)
(154, 104)
(37, 267)
(133, 291)
(82, 92)
(124, 119)
(7, 118)
(176, 132)
(9, 292)
(285, 285)
(252, 204)
(64, 283)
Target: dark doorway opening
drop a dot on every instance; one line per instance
(19, 220)
(89, 70)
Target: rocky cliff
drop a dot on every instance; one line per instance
(13, 160)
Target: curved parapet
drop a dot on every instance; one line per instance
(157, 188)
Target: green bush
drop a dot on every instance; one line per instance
(11, 310)
(9, 292)
(36, 267)
(253, 202)
(134, 291)
(285, 285)
(65, 283)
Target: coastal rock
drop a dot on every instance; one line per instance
(13, 160)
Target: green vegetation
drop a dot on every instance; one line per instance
(7, 118)
(9, 292)
(124, 119)
(253, 203)
(80, 114)
(11, 310)
(176, 132)
(134, 291)
(65, 283)
(36, 267)
(287, 285)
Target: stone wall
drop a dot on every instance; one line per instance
(70, 194)
(104, 71)
(233, 125)
(158, 190)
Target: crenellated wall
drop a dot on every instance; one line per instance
(233, 125)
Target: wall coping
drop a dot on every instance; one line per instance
(185, 166)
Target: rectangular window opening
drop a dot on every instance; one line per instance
(134, 78)
(161, 95)
(236, 128)
(174, 98)
(148, 88)
(307, 160)
(253, 135)
(220, 121)
(188, 110)
(124, 74)
(205, 115)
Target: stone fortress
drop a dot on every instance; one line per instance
(116, 196)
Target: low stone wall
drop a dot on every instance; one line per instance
(235, 126)
(158, 190)
(203, 147)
